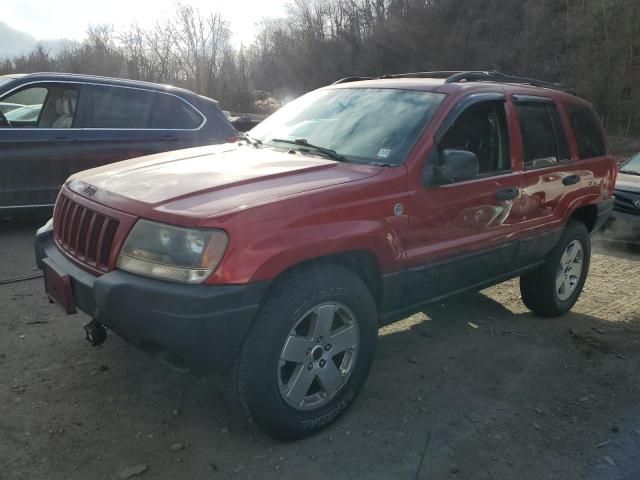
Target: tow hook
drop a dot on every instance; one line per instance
(96, 333)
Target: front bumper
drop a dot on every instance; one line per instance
(190, 327)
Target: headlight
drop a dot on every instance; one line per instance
(172, 253)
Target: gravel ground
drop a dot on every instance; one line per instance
(473, 388)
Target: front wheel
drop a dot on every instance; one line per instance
(308, 353)
(553, 288)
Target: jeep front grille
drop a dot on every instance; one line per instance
(84, 234)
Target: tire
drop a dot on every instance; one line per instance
(551, 291)
(261, 383)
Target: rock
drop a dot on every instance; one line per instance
(176, 447)
(133, 471)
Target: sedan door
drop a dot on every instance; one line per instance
(126, 122)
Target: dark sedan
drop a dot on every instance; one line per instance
(64, 123)
(624, 224)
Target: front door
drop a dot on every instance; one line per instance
(39, 144)
(459, 233)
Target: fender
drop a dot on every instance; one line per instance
(268, 257)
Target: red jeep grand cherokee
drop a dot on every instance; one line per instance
(277, 259)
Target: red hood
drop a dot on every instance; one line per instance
(205, 181)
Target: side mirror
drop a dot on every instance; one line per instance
(455, 165)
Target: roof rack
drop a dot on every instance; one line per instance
(352, 79)
(470, 76)
(493, 76)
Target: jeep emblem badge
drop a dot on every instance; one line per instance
(398, 209)
(90, 190)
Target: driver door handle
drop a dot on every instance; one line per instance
(571, 180)
(507, 193)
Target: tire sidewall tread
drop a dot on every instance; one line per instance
(253, 382)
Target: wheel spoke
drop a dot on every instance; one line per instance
(299, 384)
(330, 377)
(295, 349)
(577, 254)
(559, 280)
(343, 339)
(323, 321)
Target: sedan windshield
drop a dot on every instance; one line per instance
(369, 125)
(631, 166)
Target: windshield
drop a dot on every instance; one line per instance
(370, 125)
(632, 165)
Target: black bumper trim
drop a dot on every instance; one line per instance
(202, 325)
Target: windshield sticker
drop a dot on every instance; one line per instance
(384, 152)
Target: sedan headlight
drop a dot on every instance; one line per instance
(172, 253)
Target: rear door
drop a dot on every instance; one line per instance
(38, 150)
(126, 122)
(551, 180)
(460, 233)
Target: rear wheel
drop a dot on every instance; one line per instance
(308, 353)
(553, 288)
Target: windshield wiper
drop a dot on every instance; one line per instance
(303, 143)
(252, 141)
(629, 172)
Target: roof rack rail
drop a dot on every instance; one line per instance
(470, 76)
(435, 74)
(352, 79)
(493, 76)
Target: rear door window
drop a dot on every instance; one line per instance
(588, 132)
(119, 108)
(543, 137)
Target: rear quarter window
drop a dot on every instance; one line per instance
(172, 113)
(588, 131)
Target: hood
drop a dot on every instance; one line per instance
(628, 183)
(205, 181)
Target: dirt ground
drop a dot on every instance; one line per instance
(474, 388)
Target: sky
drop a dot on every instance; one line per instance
(54, 19)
